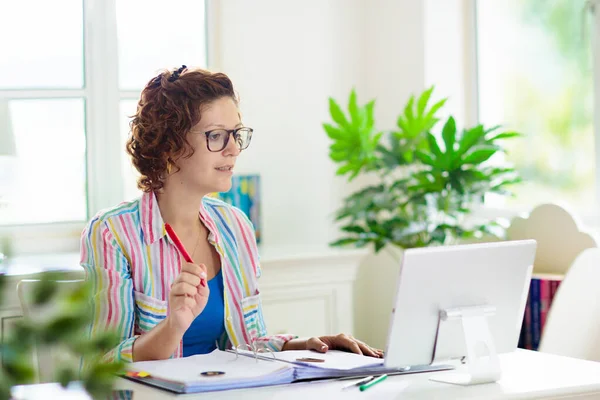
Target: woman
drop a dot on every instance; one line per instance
(185, 139)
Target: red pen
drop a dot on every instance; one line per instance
(180, 247)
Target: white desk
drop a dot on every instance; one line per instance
(526, 375)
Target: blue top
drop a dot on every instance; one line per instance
(209, 326)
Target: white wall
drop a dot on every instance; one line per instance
(286, 58)
(449, 58)
(394, 55)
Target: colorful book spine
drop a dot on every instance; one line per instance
(544, 301)
(535, 313)
(554, 288)
(525, 337)
(539, 301)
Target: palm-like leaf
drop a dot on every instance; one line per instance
(417, 118)
(353, 138)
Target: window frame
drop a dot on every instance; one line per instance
(102, 96)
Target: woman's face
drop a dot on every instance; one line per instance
(210, 171)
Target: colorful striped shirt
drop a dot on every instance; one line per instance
(131, 263)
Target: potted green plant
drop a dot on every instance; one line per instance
(63, 325)
(425, 183)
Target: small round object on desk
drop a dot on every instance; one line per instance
(212, 373)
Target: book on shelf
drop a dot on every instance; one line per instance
(542, 290)
(225, 370)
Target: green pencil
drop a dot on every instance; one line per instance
(373, 382)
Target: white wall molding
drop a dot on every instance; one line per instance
(308, 268)
(310, 294)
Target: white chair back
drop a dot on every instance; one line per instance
(573, 323)
(560, 237)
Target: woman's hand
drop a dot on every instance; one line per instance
(342, 342)
(337, 342)
(188, 297)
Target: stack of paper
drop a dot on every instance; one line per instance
(218, 370)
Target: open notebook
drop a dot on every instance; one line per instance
(223, 370)
(309, 365)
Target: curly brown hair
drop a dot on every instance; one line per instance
(169, 106)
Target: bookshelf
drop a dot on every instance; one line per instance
(542, 289)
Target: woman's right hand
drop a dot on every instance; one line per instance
(188, 296)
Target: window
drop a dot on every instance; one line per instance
(535, 76)
(144, 49)
(42, 111)
(70, 77)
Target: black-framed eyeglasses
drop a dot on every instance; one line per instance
(217, 139)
